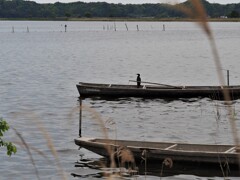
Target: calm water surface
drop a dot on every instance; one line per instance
(39, 70)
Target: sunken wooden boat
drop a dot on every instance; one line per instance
(160, 151)
(155, 91)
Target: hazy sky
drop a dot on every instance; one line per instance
(136, 1)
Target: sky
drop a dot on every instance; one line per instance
(135, 1)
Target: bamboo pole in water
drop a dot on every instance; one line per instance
(65, 28)
(80, 117)
(126, 26)
(115, 27)
(228, 77)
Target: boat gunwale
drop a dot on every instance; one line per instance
(167, 149)
(156, 87)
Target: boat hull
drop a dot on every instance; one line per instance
(113, 90)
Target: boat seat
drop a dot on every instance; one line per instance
(144, 87)
(172, 146)
(109, 85)
(230, 150)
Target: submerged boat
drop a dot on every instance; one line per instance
(178, 155)
(155, 90)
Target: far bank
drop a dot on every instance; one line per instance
(121, 19)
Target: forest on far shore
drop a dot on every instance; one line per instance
(31, 9)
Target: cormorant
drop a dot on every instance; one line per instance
(138, 80)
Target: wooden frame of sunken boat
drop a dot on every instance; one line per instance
(159, 151)
(155, 91)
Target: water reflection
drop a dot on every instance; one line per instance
(99, 168)
(139, 99)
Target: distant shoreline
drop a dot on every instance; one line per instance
(150, 19)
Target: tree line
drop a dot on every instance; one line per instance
(31, 9)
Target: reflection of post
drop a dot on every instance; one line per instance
(80, 118)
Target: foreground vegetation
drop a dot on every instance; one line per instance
(11, 148)
(79, 10)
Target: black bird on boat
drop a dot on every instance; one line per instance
(138, 80)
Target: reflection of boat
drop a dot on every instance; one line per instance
(152, 168)
(155, 91)
(177, 154)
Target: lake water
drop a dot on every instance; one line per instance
(40, 65)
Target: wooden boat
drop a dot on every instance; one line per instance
(159, 151)
(176, 158)
(155, 91)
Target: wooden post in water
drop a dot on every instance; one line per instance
(126, 26)
(13, 29)
(115, 27)
(65, 28)
(80, 117)
(27, 29)
(228, 77)
(163, 27)
(137, 28)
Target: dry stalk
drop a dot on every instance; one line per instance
(198, 13)
(123, 153)
(28, 152)
(98, 118)
(32, 148)
(49, 144)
